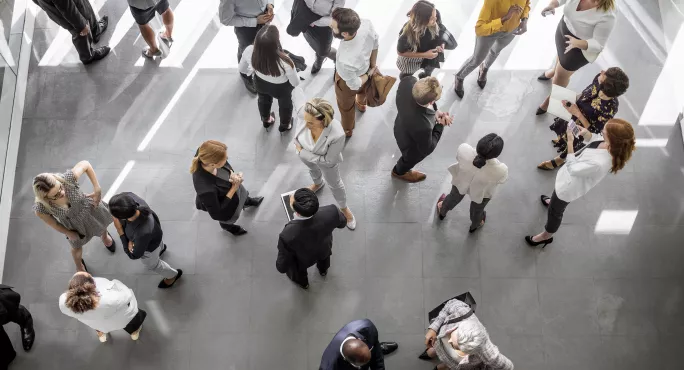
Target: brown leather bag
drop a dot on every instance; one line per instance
(378, 88)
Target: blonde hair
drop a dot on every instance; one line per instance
(606, 5)
(419, 23)
(427, 90)
(321, 109)
(42, 184)
(211, 151)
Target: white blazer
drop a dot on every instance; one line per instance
(327, 150)
(593, 25)
(116, 309)
(579, 175)
(478, 183)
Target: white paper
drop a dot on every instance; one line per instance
(285, 198)
(558, 94)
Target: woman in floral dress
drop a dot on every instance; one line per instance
(62, 205)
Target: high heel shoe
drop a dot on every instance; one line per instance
(425, 356)
(532, 243)
(285, 127)
(540, 111)
(543, 77)
(269, 122)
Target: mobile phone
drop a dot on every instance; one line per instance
(573, 126)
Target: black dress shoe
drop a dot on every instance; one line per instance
(316, 67)
(103, 23)
(163, 285)
(249, 83)
(458, 88)
(482, 78)
(424, 356)
(236, 230)
(253, 202)
(28, 335)
(388, 347)
(98, 54)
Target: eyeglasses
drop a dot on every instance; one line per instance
(58, 195)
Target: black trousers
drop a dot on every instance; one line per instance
(267, 91)
(555, 213)
(245, 37)
(84, 44)
(477, 212)
(136, 322)
(301, 276)
(20, 316)
(320, 39)
(408, 159)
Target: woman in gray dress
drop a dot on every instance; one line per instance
(62, 205)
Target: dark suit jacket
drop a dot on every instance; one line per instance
(364, 330)
(9, 303)
(304, 242)
(211, 194)
(68, 14)
(301, 18)
(415, 129)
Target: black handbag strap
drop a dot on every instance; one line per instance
(461, 318)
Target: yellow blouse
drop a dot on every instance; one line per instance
(489, 21)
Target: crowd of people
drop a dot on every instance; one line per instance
(591, 145)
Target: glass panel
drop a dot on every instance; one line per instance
(8, 82)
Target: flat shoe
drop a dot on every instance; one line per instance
(163, 285)
(351, 224)
(540, 112)
(424, 356)
(146, 53)
(543, 77)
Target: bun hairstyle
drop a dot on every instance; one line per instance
(305, 202)
(42, 184)
(321, 109)
(489, 147)
(211, 151)
(82, 294)
(621, 142)
(123, 206)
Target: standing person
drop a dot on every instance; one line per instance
(11, 310)
(418, 126)
(313, 18)
(141, 235)
(275, 76)
(319, 142)
(477, 173)
(419, 44)
(307, 240)
(62, 205)
(499, 22)
(143, 12)
(357, 346)
(79, 18)
(355, 63)
(104, 305)
(581, 35)
(584, 171)
(460, 341)
(219, 189)
(247, 17)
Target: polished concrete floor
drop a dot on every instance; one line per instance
(607, 294)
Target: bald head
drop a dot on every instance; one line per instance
(356, 351)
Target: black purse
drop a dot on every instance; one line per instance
(447, 38)
(466, 298)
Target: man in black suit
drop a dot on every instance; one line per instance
(307, 240)
(357, 347)
(12, 311)
(418, 126)
(78, 17)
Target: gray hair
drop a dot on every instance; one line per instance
(471, 336)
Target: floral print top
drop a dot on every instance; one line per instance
(596, 110)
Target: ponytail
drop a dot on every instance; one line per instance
(195, 165)
(210, 152)
(479, 161)
(123, 206)
(489, 147)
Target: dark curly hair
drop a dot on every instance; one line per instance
(82, 294)
(616, 82)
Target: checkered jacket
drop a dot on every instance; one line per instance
(488, 358)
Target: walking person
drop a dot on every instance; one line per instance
(247, 17)
(219, 189)
(499, 22)
(11, 310)
(142, 236)
(307, 240)
(143, 12)
(420, 44)
(319, 141)
(61, 204)
(79, 18)
(419, 125)
(313, 19)
(581, 35)
(274, 76)
(477, 173)
(355, 63)
(357, 346)
(584, 171)
(104, 305)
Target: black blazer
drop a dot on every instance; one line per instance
(300, 18)
(211, 194)
(304, 242)
(9, 303)
(364, 330)
(415, 129)
(68, 14)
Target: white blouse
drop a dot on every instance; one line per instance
(353, 56)
(478, 183)
(593, 25)
(117, 307)
(288, 73)
(579, 175)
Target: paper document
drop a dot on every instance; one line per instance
(558, 94)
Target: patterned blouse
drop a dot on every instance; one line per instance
(596, 110)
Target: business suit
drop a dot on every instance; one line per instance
(12, 311)
(415, 128)
(74, 16)
(307, 242)
(363, 330)
(211, 195)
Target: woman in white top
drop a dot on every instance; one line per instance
(584, 171)
(275, 76)
(477, 173)
(319, 141)
(581, 35)
(103, 305)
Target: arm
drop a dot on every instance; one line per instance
(353, 82)
(52, 222)
(229, 18)
(122, 236)
(284, 259)
(451, 307)
(71, 14)
(486, 26)
(494, 359)
(429, 139)
(292, 75)
(578, 167)
(600, 37)
(374, 54)
(504, 178)
(85, 167)
(377, 361)
(215, 207)
(331, 156)
(326, 20)
(140, 245)
(245, 66)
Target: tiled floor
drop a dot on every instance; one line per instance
(589, 300)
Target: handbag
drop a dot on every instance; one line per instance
(447, 38)
(466, 298)
(407, 65)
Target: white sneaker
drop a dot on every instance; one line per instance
(351, 224)
(136, 334)
(102, 338)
